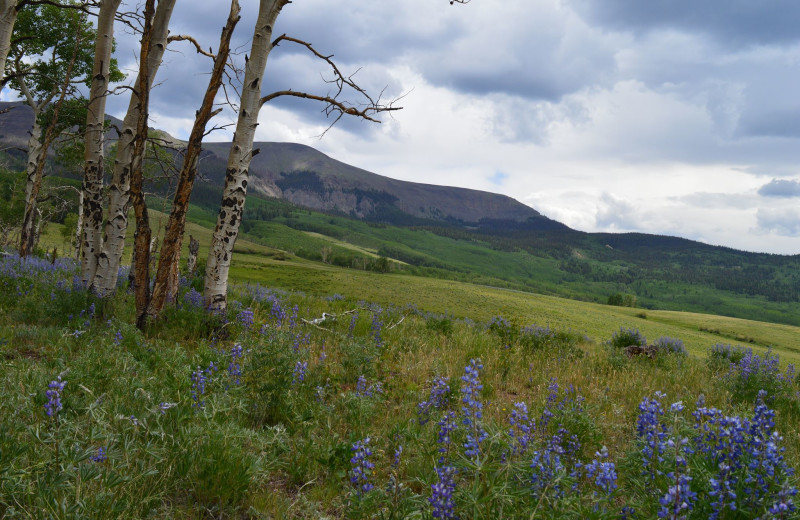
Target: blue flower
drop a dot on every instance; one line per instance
(361, 467)
(53, 404)
(472, 408)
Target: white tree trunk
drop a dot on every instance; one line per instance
(94, 140)
(191, 261)
(116, 224)
(8, 17)
(79, 227)
(32, 182)
(233, 197)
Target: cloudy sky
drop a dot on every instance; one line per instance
(672, 117)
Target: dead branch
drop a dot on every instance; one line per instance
(334, 105)
(187, 38)
(390, 327)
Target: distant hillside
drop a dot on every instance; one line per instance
(309, 178)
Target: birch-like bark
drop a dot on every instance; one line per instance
(94, 141)
(79, 227)
(116, 225)
(32, 187)
(233, 197)
(173, 233)
(8, 17)
(191, 261)
(38, 145)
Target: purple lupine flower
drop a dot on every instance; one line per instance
(199, 378)
(193, 298)
(277, 313)
(398, 453)
(353, 320)
(472, 408)
(53, 404)
(436, 400)
(234, 366)
(364, 389)
(361, 467)
(652, 434)
(246, 318)
(604, 473)
(547, 469)
(101, 455)
(446, 426)
(679, 499)
(299, 372)
(376, 329)
(441, 500)
(670, 345)
(293, 318)
(522, 428)
(118, 338)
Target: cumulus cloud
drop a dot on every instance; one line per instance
(614, 214)
(780, 188)
(682, 110)
(782, 222)
(735, 23)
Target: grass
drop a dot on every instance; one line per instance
(278, 445)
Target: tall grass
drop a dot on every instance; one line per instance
(373, 412)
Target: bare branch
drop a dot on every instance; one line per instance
(187, 38)
(334, 105)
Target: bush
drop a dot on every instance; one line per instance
(753, 374)
(667, 345)
(545, 339)
(627, 338)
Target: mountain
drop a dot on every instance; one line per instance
(309, 178)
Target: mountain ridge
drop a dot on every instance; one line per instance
(307, 177)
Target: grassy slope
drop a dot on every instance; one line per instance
(257, 263)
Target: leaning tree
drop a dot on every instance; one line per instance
(236, 175)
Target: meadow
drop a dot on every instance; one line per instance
(413, 398)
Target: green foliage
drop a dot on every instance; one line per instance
(622, 300)
(45, 39)
(12, 203)
(627, 337)
(272, 444)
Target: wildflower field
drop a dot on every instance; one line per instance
(371, 410)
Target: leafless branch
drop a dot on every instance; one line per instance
(334, 105)
(187, 38)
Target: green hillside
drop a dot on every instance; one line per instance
(660, 272)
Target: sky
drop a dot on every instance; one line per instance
(671, 117)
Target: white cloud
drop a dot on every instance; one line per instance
(605, 115)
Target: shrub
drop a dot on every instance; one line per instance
(753, 374)
(545, 339)
(628, 337)
(667, 345)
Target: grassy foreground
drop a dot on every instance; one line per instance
(387, 410)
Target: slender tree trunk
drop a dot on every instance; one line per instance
(32, 186)
(37, 157)
(94, 140)
(141, 240)
(173, 233)
(116, 224)
(233, 197)
(79, 226)
(191, 261)
(8, 17)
